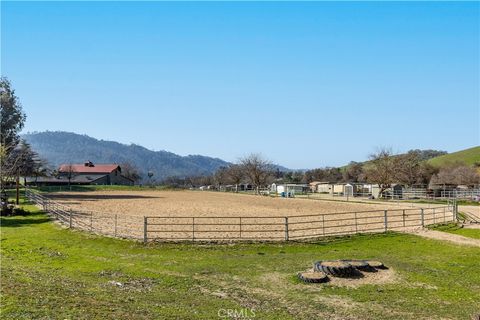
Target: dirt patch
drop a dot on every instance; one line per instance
(472, 226)
(445, 236)
(377, 277)
(473, 211)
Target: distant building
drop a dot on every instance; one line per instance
(86, 173)
(290, 188)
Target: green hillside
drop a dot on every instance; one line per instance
(467, 156)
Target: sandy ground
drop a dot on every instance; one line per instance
(196, 215)
(198, 204)
(445, 236)
(472, 226)
(473, 211)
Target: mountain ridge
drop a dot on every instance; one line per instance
(59, 147)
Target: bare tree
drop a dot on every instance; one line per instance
(466, 175)
(16, 161)
(456, 174)
(220, 177)
(331, 174)
(130, 171)
(353, 172)
(41, 170)
(235, 175)
(381, 169)
(409, 168)
(257, 169)
(70, 172)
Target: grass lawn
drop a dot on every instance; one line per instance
(48, 272)
(457, 229)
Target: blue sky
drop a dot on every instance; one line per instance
(306, 84)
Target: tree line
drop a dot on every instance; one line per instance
(383, 168)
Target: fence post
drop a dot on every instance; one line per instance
(456, 208)
(434, 220)
(356, 223)
(422, 217)
(193, 229)
(115, 232)
(145, 229)
(403, 217)
(385, 218)
(70, 218)
(444, 215)
(240, 227)
(323, 225)
(286, 228)
(91, 221)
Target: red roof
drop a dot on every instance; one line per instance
(82, 168)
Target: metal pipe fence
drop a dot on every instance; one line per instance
(236, 228)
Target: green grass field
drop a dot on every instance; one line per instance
(468, 156)
(48, 272)
(458, 229)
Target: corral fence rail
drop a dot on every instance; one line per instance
(241, 228)
(116, 225)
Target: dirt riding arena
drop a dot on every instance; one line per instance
(196, 215)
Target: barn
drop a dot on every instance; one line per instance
(87, 173)
(90, 173)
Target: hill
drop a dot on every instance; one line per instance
(66, 147)
(468, 156)
(425, 155)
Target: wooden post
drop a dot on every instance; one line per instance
(422, 217)
(444, 215)
(356, 224)
(434, 220)
(70, 218)
(386, 221)
(403, 216)
(145, 229)
(286, 228)
(240, 227)
(193, 229)
(91, 221)
(455, 205)
(323, 225)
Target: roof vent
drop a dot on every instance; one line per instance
(89, 164)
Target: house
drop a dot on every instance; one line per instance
(86, 173)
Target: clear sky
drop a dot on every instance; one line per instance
(306, 84)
